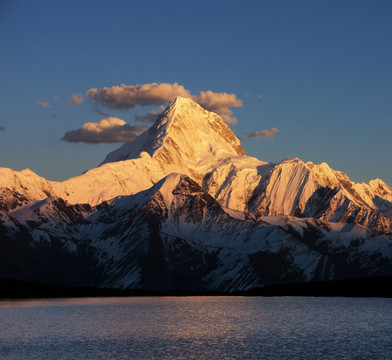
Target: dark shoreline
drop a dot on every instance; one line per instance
(360, 287)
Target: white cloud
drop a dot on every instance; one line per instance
(126, 97)
(219, 103)
(75, 99)
(264, 133)
(108, 130)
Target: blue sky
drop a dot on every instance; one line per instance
(323, 69)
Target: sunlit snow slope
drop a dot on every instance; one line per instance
(189, 140)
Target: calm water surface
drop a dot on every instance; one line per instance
(197, 328)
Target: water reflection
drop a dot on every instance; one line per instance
(196, 328)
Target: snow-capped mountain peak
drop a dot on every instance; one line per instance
(188, 140)
(183, 207)
(184, 134)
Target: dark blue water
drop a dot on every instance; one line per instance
(197, 328)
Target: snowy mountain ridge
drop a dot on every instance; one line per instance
(190, 140)
(176, 236)
(184, 207)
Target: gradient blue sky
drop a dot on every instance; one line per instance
(323, 68)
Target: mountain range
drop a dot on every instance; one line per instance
(183, 207)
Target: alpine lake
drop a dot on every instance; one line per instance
(198, 327)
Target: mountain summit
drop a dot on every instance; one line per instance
(184, 135)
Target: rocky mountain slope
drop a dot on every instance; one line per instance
(183, 207)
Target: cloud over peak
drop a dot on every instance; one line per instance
(108, 130)
(125, 97)
(219, 103)
(269, 133)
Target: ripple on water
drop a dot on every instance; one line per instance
(197, 328)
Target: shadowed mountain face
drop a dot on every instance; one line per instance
(182, 207)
